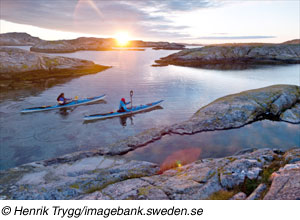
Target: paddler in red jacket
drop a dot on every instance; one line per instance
(122, 107)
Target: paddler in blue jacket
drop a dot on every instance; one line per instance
(62, 100)
(122, 107)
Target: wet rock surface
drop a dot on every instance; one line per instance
(100, 177)
(234, 56)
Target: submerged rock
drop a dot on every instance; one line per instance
(232, 56)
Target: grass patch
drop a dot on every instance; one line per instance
(273, 167)
(74, 186)
(248, 186)
(222, 195)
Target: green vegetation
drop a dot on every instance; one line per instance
(248, 186)
(74, 186)
(144, 191)
(24, 66)
(222, 195)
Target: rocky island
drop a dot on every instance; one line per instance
(21, 69)
(82, 43)
(98, 44)
(157, 45)
(68, 46)
(249, 174)
(18, 39)
(235, 56)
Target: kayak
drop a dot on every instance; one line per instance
(135, 109)
(70, 104)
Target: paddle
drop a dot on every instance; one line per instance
(131, 94)
(71, 100)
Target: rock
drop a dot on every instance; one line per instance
(285, 101)
(239, 196)
(67, 46)
(257, 193)
(244, 151)
(292, 156)
(201, 179)
(157, 45)
(285, 184)
(295, 41)
(234, 56)
(101, 177)
(236, 172)
(14, 60)
(18, 39)
(93, 196)
(292, 115)
(71, 179)
(134, 189)
(236, 110)
(21, 69)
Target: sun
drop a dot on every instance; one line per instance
(122, 38)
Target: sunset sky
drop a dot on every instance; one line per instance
(190, 21)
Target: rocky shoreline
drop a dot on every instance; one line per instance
(234, 56)
(21, 69)
(250, 174)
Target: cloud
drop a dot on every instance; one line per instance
(142, 18)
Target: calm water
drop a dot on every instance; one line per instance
(214, 144)
(30, 137)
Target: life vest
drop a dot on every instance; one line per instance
(61, 100)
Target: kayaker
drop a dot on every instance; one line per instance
(122, 107)
(62, 100)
